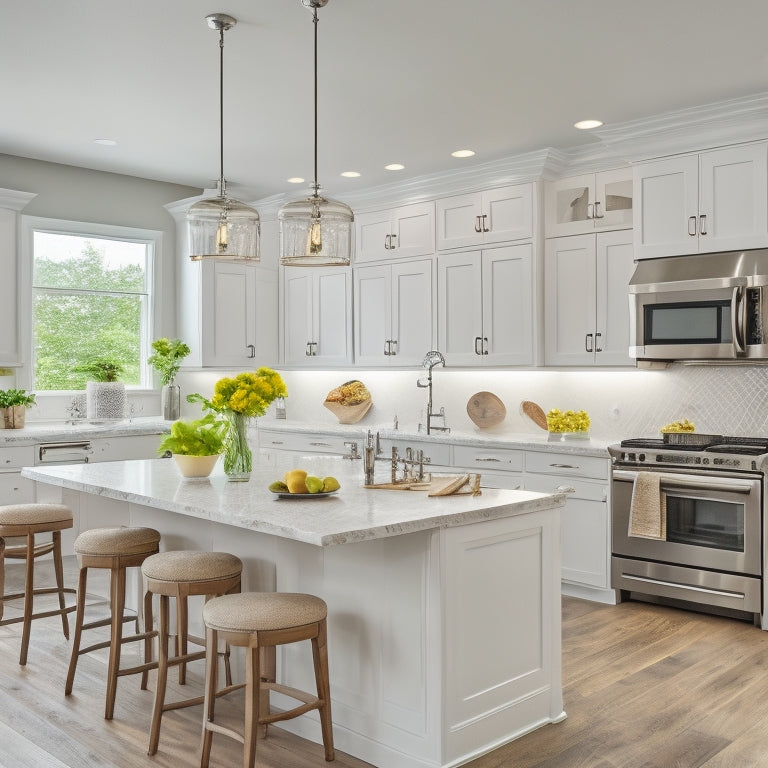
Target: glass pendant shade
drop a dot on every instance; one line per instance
(315, 232)
(223, 228)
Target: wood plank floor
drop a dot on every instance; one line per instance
(644, 687)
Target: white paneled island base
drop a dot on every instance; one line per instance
(444, 613)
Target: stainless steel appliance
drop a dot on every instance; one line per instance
(63, 453)
(714, 548)
(704, 307)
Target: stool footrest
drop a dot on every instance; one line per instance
(43, 615)
(138, 668)
(310, 702)
(40, 591)
(174, 661)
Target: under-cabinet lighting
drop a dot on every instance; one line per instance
(295, 180)
(585, 125)
(463, 153)
(350, 174)
(394, 167)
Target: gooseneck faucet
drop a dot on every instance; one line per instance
(431, 359)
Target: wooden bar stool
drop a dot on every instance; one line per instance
(179, 575)
(28, 520)
(256, 620)
(116, 549)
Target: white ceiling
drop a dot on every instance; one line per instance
(400, 81)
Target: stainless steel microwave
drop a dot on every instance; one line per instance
(709, 307)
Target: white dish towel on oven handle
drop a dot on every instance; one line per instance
(648, 509)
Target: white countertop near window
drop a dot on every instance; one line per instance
(352, 514)
(34, 433)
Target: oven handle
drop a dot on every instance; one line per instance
(739, 320)
(696, 483)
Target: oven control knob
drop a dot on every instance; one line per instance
(641, 457)
(705, 461)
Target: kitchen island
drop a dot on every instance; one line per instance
(444, 612)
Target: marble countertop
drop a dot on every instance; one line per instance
(58, 431)
(539, 441)
(352, 514)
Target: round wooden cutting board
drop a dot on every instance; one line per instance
(486, 410)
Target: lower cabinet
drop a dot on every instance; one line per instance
(15, 489)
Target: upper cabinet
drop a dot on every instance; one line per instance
(317, 323)
(595, 201)
(704, 203)
(397, 233)
(493, 216)
(485, 309)
(394, 322)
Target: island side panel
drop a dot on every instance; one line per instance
(502, 631)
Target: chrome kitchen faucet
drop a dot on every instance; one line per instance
(431, 359)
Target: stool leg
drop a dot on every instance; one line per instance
(320, 658)
(182, 623)
(79, 615)
(2, 577)
(252, 695)
(211, 674)
(29, 599)
(162, 674)
(149, 625)
(58, 568)
(117, 600)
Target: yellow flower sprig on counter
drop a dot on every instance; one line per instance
(567, 421)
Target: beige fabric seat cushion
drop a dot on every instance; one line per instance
(260, 611)
(117, 541)
(34, 514)
(191, 566)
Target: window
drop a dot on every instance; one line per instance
(91, 301)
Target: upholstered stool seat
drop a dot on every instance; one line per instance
(258, 620)
(116, 549)
(180, 575)
(28, 520)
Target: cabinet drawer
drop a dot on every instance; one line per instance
(439, 454)
(584, 489)
(308, 443)
(15, 489)
(17, 457)
(567, 464)
(488, 458)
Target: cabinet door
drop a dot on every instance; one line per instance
(372, 315)
(508, 213)
(458, 223)
(297, 314)
(569, 300)
(666, 198)
(507, 286)
(615, 265)
(411, 312)
(332, 317)
(459, 306)
(413, 231)
(372, 236)
(613, 199)
(569, 205)
(733, 198)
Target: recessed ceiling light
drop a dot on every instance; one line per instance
(105, 142)
(585, 125)
(350, 174)
(295, 180)
(463, 153)
(394, 167)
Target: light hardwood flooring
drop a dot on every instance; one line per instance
(644, 687)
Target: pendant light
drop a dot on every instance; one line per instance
(221, 227)
(315, 231)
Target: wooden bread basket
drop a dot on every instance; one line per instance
(349, 414)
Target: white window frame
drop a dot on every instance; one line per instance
(31, 224)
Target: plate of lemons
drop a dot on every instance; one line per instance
(299, 484)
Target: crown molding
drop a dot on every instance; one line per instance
(13, 200)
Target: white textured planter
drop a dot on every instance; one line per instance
(196, 466)
(105, 400)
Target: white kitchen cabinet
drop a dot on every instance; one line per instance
(317, 316)
(407, 231)
(703, 203)
(15, 489)
(497, 467)
(309, 443)
(493, 216)
(585, 301)
(485, 309)
(394, 317)
(594, 201)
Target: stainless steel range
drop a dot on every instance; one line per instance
(712, 550)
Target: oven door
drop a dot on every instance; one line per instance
(714, 521)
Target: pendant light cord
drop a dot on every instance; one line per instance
(314, 21)
(221, 112)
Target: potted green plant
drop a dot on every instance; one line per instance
(14, 404)
(195, 445)
(105, 396)
(166, 360)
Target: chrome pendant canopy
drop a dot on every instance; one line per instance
(221, 227)
(315, 231)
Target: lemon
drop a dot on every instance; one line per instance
(295, 480)
(331, 484)
(278, 487)
(314, 484)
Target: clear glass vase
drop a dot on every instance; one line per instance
(238, 459)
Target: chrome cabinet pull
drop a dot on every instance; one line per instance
(276, 442)
(386, 348)
(393, 342)
(251, 350)
(588, 343)
(387, 242)
(598, 348)
(308, 350)
(485, 345)
(321, 445)
(485, 229)
(477, 224)
(391, 245)
(590, 211)
(478, 459)
(565, 466)
(598, 215)
(703, 224)
(477, 341)
(692, 221)
(311, 349)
